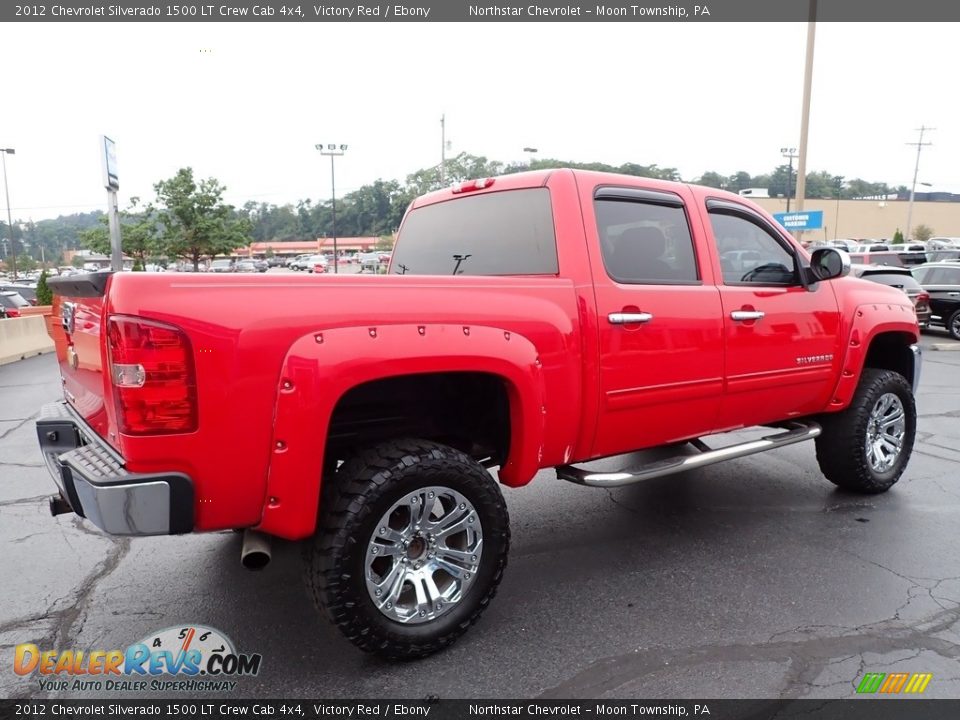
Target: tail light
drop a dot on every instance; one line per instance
(155, 385)
(12, 313)
(921, 301)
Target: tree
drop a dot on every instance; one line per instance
(44, 293)
(922, 233)
(195, 221)
(138, 233)
(898, 236)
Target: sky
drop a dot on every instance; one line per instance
(246, 102)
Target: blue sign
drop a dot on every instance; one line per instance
(812, 220)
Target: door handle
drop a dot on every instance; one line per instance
(953, 294)
(621, 318)
(742, 315)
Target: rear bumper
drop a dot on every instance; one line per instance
(92, 478)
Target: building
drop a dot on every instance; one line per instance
(301, 247)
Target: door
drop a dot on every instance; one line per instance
(781, 335)
(660, 327)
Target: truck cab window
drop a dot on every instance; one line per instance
(644, 242)
(750, 254)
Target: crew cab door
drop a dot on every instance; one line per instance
(659, 315)
(782, 337)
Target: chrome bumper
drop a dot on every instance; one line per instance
(93, 480)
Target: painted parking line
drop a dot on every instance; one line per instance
(945, 346)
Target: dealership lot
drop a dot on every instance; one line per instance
(753, 578)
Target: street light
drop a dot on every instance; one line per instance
(789, 153)
(333, 150)
(6, 189)
(532, 151)
(838, 184)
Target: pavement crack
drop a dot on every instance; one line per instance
(19, 425)
(24, 501)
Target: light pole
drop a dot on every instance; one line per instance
(6, 189)
(789, 153)
(532, 151)
(838, 184)
(333, 150)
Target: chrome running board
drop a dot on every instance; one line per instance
(795, 432)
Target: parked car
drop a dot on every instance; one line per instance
(11, 303)
(300, 261)
(245, 266)
(943, 243)
(316, 263)
(369, 262)
(902, 279)
(943, 255)
(589, 319)
(28, 292)
(222, 265)
(942, 281)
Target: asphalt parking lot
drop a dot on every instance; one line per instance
(754, 578)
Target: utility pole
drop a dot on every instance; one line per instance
(443, 150)
(916, 168)
(6, 189)
(805, 111)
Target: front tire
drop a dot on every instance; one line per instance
(411, 547)
(953, 325)
(865, 448)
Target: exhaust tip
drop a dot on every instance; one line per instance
(59, 506)
(255, 552)
(255, 560)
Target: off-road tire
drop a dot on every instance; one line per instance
(355, 499)
(841, 447)
(953, 325)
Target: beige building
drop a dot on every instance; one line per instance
(872, 219)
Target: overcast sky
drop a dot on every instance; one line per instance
(246, 103)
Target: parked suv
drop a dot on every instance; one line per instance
(942, 281)
(902, 279)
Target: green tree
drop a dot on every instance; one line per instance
(44, 293)
(922, 233)
(195, 221)
(138, 233)
(898, 236)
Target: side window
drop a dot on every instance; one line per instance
(749, 253)
(643, 242)
(952, 276)
(922, 275)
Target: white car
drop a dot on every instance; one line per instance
(316, 263)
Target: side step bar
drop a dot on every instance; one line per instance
(795, 432)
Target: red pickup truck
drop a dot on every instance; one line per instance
(539, 320)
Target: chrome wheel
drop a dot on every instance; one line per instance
(886, 428)
(955, 325)
(423, 555)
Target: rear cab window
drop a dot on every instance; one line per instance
(510, 232)
(645, 237)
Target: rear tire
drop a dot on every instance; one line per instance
(865, 448)
(410, 549)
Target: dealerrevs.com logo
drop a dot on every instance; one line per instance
(198, 657)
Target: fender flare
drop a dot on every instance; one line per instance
(869, 321)
(320, 368)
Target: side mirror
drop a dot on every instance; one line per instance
(828, 263)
